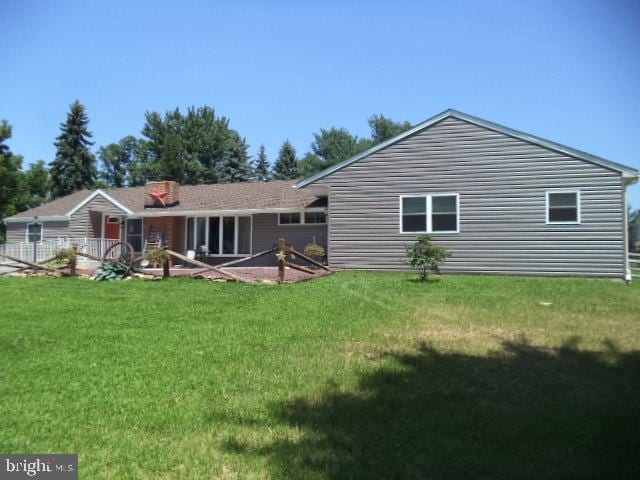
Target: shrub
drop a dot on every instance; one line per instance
(157, 256)
(314, 250)
(66, 255)
(111, 271)
(424, 257)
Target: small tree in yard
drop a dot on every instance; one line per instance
(425, 257)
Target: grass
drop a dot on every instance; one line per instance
(356, 375)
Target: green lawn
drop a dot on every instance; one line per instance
(356, 375)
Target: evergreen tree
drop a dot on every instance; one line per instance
(74, 167)
(286, 166)
(10, 178)
(235, 166)
(261, 171)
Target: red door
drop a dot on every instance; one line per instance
(112, 228)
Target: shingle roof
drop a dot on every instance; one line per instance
(278, 194)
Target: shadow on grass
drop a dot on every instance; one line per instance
(521, 412)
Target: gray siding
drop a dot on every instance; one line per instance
(86, 222)
(501, 181)
(266, 233)
(17, 231)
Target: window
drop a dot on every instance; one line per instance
(289, 218)
(228, 234)
(134, 233)
(201, 235)
(444, 213)
(219, 235)
(34, 232)
(214, 234)
(244, 235)
(315, 217)
(190, 233)
(563, 207)
(414, 214)
(429, 213)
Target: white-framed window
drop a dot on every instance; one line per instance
(434, 213)
(289, 218)
(34, 232)
(303, 217)
(563, 207)
(219, 235)
(315, 217)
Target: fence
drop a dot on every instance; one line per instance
(634, 263)
(46, 249)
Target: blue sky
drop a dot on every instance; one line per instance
(566, 71)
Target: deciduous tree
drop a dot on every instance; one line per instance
(116, 160)
(383, 128)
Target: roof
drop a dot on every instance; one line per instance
(270, 196)
(625, 170)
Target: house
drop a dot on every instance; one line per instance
(217, 222)
(502, 201)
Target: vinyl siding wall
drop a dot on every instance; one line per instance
(86, 222)
(502, 184)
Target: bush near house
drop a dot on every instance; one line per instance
(426, 257)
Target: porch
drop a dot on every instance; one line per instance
(219, 237)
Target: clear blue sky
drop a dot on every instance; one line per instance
(566, 71)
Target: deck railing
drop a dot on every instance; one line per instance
(47, 248)
(634, 263)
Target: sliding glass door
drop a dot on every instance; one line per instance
(228, 235)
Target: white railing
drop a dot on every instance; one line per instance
(46, 249)
(634, 263)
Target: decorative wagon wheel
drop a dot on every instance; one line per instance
(121, 252)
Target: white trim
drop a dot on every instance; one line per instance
(426, 208)
(227, 213)
(578, 206)
(57, 218)
(429, 213)
(94, 195)
(41, 231)
(104, 223)
(457, 230)
(220, 235)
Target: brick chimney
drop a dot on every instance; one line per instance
(161, 194)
